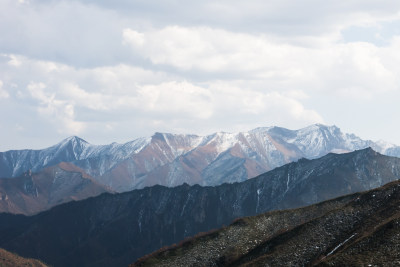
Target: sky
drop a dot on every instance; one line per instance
(113, 71)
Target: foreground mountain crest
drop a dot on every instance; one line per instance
(355, 230)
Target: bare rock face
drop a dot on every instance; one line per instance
(116, 229)
(175, 159)
(357, 230)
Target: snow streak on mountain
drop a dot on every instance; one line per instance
(174, 159)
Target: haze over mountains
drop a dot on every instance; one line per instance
(116, 229)
(174, 159)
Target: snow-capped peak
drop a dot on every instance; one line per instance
(75, 141)
(223, 141)
(262, 148)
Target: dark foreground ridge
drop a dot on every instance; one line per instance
(117, 229)
(356, 230)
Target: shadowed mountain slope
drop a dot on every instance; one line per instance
(34, 192)
(357, 230)
(114, 230)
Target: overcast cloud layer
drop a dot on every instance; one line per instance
(117, 70)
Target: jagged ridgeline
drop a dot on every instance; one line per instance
(174, 159)
(362, 229)
(117, 229)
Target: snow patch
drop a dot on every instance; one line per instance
(341, 244)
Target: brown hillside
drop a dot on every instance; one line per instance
(8, 259)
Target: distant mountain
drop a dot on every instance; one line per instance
(356, 230)
(116, 229)
(34, 192)
(171, 159)
(15, 162)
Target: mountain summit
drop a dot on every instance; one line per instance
(174, 159)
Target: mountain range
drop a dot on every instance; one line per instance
(174, 159)
(116, 229)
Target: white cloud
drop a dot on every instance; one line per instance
(357, 70)
(124, 69)
(3, 92)
(61, 31)
(257, 106)
(133, 37)
(208, 49)
(14, 61)
(59, 112)
(278, 17)
(177, 100)
(89, 101)
(349, 69)
(77, 95)
(91, 36)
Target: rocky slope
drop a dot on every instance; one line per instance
(114, 230)
(31, 193)
(8, 259)
(357, 230)
(171, 160)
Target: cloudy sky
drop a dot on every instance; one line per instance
(117, 70)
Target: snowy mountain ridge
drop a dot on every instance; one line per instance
(173, 159)
(14, 162)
